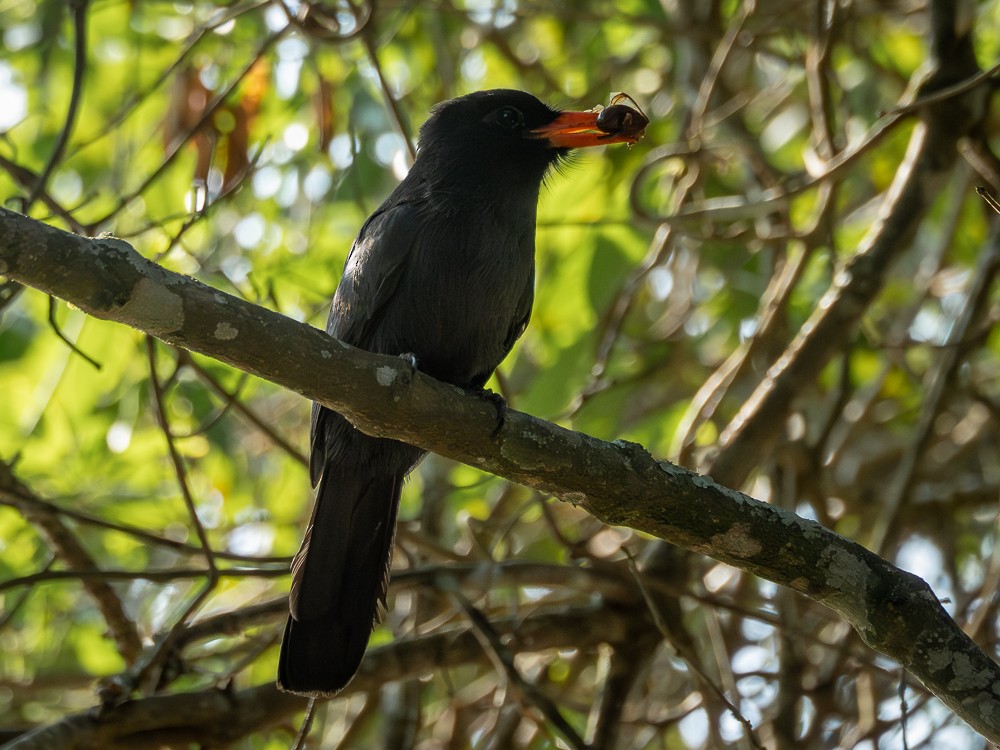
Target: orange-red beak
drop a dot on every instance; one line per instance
(579, 130)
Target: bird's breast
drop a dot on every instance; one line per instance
(459, 301)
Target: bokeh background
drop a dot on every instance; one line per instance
(245, 143)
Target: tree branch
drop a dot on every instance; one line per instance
(72, 552)
(918, 182)
(619, 483)
(220, 716)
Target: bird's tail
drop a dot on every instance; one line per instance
(339, 580)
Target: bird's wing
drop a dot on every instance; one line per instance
(372, 272)
(523, 314)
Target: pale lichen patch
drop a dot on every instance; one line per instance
(225, 332)
(738, 541)
(385, 376)
(111, 242)
(967, 676)
(844, 571)
(153, 308)
(938, 659)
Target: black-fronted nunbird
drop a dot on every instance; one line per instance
(443, 271)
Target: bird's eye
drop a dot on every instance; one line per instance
(509, 117)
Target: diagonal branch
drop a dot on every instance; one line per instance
(618, 483)
(220, 716)
(79, 8)
(919, 180)
(72, 553)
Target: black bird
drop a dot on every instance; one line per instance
(443, 271)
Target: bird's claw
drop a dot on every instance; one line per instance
(500, 404)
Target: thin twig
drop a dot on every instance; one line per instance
(503, 660)
(231, 400)
(397, 116)
(944, 94)
(939, 379)
(307, 721)
(688, 658)
(719, 59)
(987, 196)
(177, 461)
(54, 324)
(71, 552)
(79, 8)
(20, 501)
(179, 143)
(157, 576)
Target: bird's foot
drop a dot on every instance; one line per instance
(392, 376)
(500, 404)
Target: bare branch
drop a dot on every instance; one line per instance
(219, 716)
(619, 483)
(71, 552)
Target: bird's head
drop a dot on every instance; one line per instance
(502, 131)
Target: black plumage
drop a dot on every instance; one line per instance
(443, 270)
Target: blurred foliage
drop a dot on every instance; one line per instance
(245, 144)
